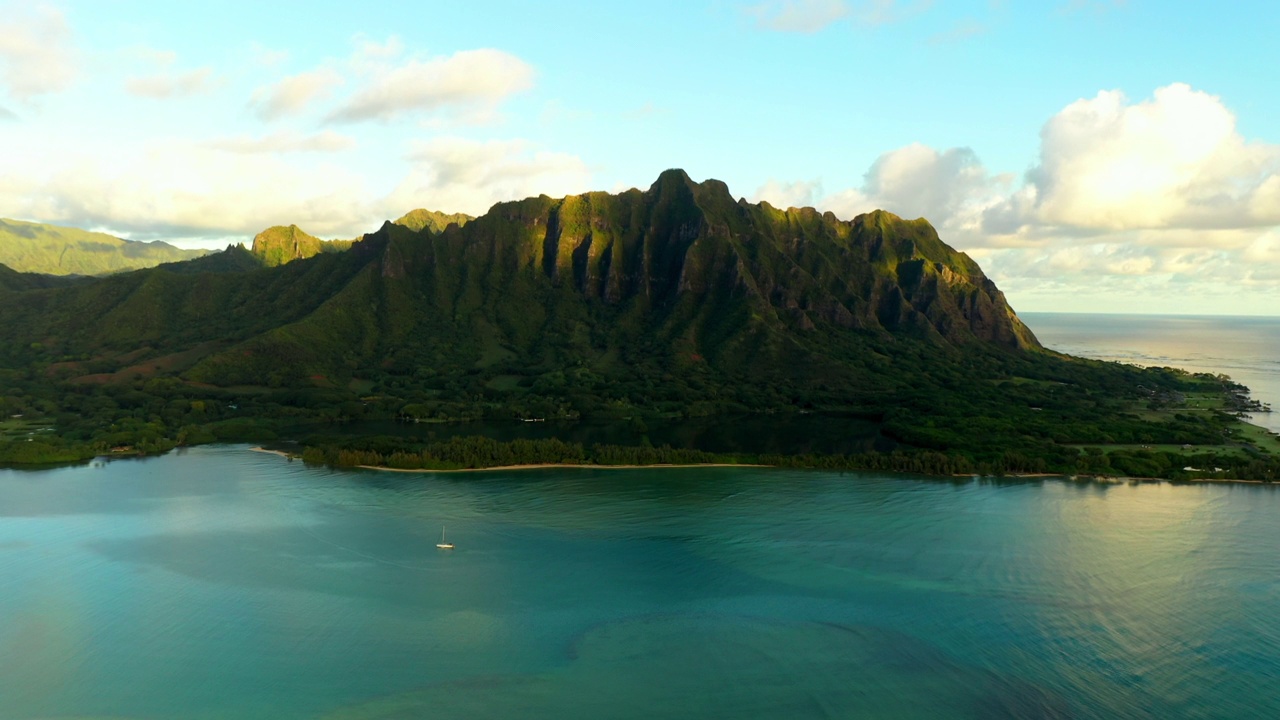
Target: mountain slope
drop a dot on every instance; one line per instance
(53, 250)
(431, 220)
(280, 245)
(674, 301)
(681, 275)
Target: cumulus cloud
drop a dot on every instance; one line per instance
(164, 85)
(293, 94)
(37, 56)
(1173, 161)
(461, 175)
(1161, 196)
(950, 188)
(285, 142)
(800, 193)
(468, 84)
(919, 181)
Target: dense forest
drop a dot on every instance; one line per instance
(647, 307)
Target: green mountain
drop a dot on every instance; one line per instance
(681, 274)
(52, 250)
(675, 301)
(279, 245)
(431, 220)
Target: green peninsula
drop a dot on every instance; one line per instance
(641, 308)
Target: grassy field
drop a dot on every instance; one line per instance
(18, 428)
(1243, 440)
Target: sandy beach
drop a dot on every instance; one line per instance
(549, 466)
(1104, 479)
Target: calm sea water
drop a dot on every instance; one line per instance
(1246, 348)
(220, 583)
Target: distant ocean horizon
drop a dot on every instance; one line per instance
(1245, 347)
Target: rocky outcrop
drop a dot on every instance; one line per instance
(280, 245)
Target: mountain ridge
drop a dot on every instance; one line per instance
(675, 301)
(683, 268)
(57, 250)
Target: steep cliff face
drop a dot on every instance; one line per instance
(681, 247)
(680, 278)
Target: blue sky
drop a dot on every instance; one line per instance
(1091, 155)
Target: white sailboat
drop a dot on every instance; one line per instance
(443, 545)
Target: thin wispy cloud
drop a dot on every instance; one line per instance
(811, 16)
(285, 142)
(469, 83)
(294, 94)
(798, 16)
(37, 52)
(165, 85)
(961, 31)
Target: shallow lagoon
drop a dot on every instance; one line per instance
(223, 583)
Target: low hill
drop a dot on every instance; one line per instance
(53, 250)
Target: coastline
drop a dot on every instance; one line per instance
(1101, 479)
(542, 466)
(551, 466)
(281, 453)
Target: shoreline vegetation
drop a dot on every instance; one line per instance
(1191, 433)
(540, 466)
(1102, 479)
(478, 453)
(689, 308)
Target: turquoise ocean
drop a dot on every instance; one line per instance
(218, 582)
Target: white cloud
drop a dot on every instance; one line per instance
(166, 85)
(235, 187)
(284, 142)
(1151, 202)
(458, 175)
(1174, 161)
(785, 195)
(37, 56)
(293, 94)
(6, 114)
(170, 188)
(468, 84)
(802, 16)
(950, 188)
(918, 181)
